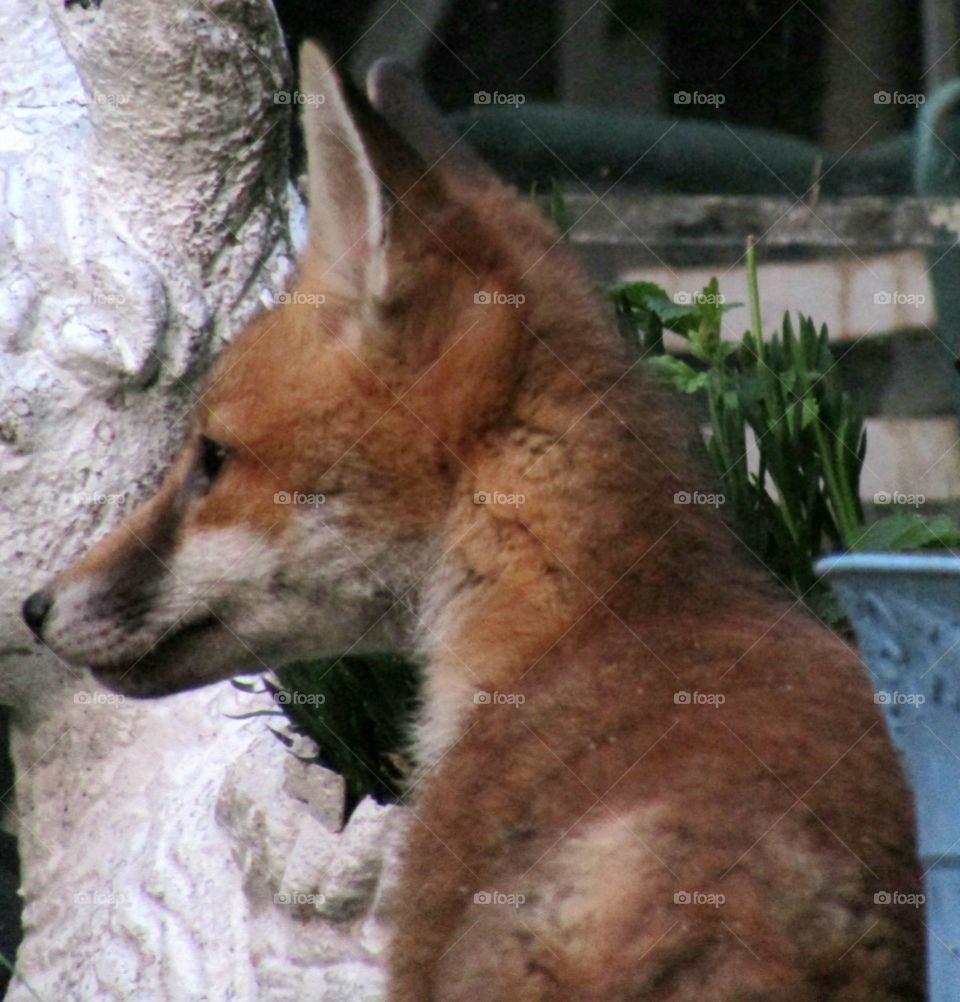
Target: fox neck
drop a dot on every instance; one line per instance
(477, 636)
(515, 578)
(495, 604)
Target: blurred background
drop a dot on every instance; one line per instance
(809, 69)
(676, 129)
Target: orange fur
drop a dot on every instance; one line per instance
(580, 797)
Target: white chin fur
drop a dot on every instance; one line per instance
(307, 592)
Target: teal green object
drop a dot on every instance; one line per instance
(937, 174)
(541, 142)
(937, 169)
(905, 610)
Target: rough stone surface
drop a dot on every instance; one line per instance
(169, 852)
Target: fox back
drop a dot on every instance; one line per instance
(643, 771)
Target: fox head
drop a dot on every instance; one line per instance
(336, 432)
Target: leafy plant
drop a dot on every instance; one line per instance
(782, 396)
(644, 311)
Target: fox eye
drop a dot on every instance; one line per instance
(212, 457)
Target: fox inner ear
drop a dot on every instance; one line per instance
(346, 224)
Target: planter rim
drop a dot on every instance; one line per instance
(888, 563)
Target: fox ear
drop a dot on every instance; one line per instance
(397, 94)
(346, 224)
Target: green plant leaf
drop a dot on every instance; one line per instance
(678, 374)
(910, 531)
(811, 411)
(639, 293)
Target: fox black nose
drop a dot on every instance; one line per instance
(35, 611)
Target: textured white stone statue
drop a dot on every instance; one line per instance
(168, 851)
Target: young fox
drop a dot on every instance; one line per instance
(644, 772)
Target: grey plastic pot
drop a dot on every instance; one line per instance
(905, 610)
